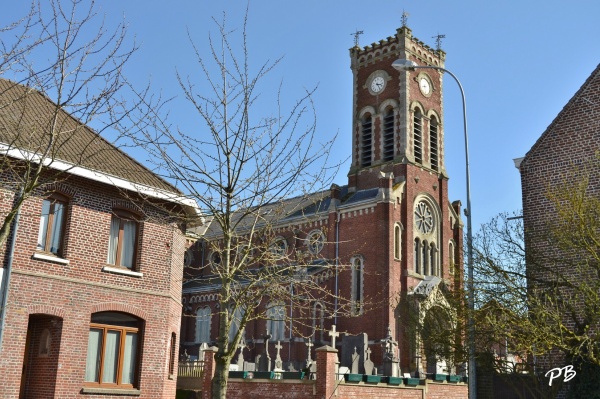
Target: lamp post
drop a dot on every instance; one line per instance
(408, 65)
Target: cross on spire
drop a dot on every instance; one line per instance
(356, 35)
(404, 18)
(333, 334)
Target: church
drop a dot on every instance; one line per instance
(392, 223)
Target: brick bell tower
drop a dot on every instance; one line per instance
(398, 142)
(397, 116)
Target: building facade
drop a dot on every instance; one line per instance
(92, 279)
(565, 161)
(392, 224)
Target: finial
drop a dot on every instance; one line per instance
(356, 36)
(438, 41)
(404, 18)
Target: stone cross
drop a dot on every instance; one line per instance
(333, 334)
(264, 361)
(309, 344)
(278, 361)
(368, 363)
(266, 339)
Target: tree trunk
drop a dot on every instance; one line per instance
(219, 382)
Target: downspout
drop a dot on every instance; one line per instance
(337, 261)
(291, 321)
(6, 273)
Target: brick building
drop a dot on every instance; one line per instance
(392, 224)
(93, 291)
(565, 155)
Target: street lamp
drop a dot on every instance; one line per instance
(408, 65)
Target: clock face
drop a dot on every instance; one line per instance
(424, 86)
(377, 84)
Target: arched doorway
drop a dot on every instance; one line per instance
(437, 335)
(40, 361)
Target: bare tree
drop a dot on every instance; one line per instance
(61, 72)
(252, 175)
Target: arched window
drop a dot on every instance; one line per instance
(203, 321)
(113, 350)
(278, 247)
(433, 260)
(433, 143)
(451, 257)
(52, 224)
(418, 256)
(366, 140)
(427, 235)
(397, 241)
(276, 321)
(388, 134)
(425, 259)
(418, 136)
(357, 284)
(238, 315)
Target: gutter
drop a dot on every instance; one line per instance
(6, 273)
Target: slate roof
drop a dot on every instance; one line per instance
(289, 210)
(25, 117)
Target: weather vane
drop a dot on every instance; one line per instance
(356, 36)
(404, 18)
(438, 41)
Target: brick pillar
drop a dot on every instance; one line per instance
(326, 377)
(208, 372)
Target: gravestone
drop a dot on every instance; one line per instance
(350, 344)
(390, 358)
(355, 362)
(368, 363)
(240, 359)
(249, 366)
(263, 360)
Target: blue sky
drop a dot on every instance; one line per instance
(519, 62)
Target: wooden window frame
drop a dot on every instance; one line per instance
(54, 199)
(123, 334)
(124, 216)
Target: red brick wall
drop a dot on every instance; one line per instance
(325, 385)
(570, 141)
(74, 291)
